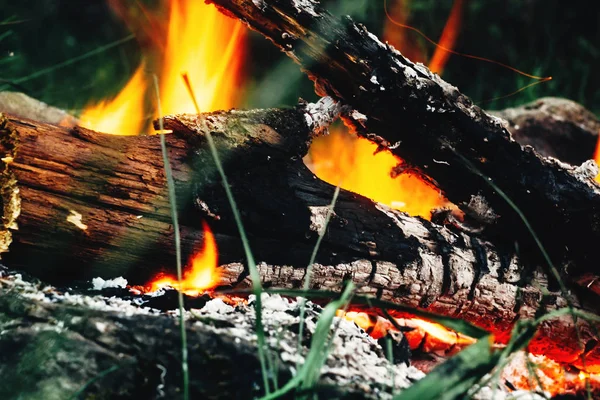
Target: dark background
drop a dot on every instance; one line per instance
(541, 37)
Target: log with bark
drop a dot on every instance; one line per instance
(435, 128)
(89, 204)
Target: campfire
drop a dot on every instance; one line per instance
(403, 241)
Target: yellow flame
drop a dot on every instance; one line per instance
(202, 273)
(199, 41)
(208, 47)
(122, 115)
(341, 157)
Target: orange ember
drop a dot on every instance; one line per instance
(201, 274)
(427, 336)
(342, 157)
(197, 40)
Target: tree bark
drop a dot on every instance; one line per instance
(432, 126)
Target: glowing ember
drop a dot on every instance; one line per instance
(426, 336)
(552, 376)
(200, 275)
(434, 338)
(341, 157)
(124, 114)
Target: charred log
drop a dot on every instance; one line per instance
(89, 204)
(554, 127)
(430, 124)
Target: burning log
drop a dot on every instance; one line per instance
(89, 204)
(430, 124)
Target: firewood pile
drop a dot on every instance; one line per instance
(81, 206)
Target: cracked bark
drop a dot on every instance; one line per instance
(421, 118)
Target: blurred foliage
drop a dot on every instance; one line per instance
(541, 37)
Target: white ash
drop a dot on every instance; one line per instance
(49, 294)
(358, 116)
(480, 209)
(587, 171)
(99, 283)
(318, 217)
(355, 358)
(306, 6)
(405, 224)
(260, 4)
(375, 39)
(321, 114)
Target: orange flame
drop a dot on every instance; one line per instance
(208, 46)
(124, 114)
(395, 35)
(341, 157)
(197, 40)
(448, 38)
(202, 273)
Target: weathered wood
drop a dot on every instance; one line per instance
(430, 124)
(81, 198)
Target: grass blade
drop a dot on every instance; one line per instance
(311, 262)
(173, 206)
(309, 373)
(254, 275)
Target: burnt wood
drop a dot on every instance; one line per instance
(426, 121)
(88, 204)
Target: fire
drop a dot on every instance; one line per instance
(341, 157)
(352, 161)
(395, 34)
(448, 38)
(209, 47)
(124, 114)
(201, 274)
(396, 27)
(199, 41)
(427, 336)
